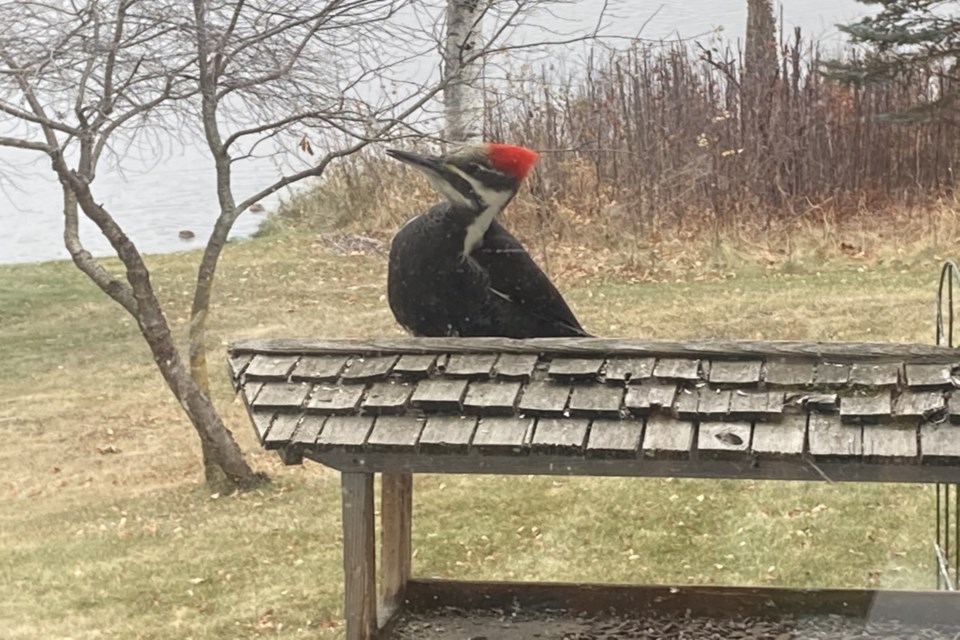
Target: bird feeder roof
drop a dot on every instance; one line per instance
(871, 411)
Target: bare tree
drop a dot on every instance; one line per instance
(87, 81)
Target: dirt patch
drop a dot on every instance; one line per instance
(467, 625)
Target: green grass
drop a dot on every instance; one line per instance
(107, 532)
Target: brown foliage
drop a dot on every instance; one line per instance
(653, 152)
(654, 134)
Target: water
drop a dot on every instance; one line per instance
(154, 201)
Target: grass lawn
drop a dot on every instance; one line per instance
(107, 532)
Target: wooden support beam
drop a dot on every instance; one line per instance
(359, 556)
(721, 602)
(396, 517)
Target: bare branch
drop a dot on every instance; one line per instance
(16, 143)
(121, 293)
(42, 120)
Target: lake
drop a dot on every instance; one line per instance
(154, 200)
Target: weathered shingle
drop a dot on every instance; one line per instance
(744, 408)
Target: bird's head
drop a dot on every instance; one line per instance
(480, 176)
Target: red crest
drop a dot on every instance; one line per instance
(511, 159)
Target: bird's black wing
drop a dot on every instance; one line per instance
(526, 290)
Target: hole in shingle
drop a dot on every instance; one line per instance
(729, 438)
(936, 415)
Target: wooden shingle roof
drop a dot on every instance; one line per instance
(839, 411)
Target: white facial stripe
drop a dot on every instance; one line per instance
(448, 190)
(493, 201)
(491, 197)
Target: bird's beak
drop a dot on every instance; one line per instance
(428, 163)
(439, 174)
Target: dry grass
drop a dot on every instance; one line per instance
(107, 532)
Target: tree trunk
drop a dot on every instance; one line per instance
(463, 93)
(758, 87)
(223, 461)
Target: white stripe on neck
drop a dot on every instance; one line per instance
(493, 201)
(477, 228)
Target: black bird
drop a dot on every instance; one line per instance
(455, 271)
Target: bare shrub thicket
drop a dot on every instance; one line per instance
(659, 135)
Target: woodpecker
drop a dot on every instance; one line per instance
(455, 271)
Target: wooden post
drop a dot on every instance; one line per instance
(396, 511)
(359, 556)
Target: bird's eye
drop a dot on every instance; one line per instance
(474, 168)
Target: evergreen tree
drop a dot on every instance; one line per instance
(906, 37)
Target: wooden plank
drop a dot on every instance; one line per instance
(866, 409)
(822, 402)
(282, 395)
(646, 398)
(309, 429)
(713, 403)
(250, 392)
(929, 375)
(788, 373)
(596, 401)
(940, 443)
(499, 434)
(264, 366)
(236, 364)
(921, 405)
(832, 373)
(281, 431)
(629, 369)
(261, 423)
(438, 394)
(388, 396)
(615, 438)
(344, 432)
(926, 609)
(723, 440)
(601, 347)
(510, 365)
(319, 368)
(840, 469)
(666, 437)
(559, 435)
(335, 399)
(685, 404)
(395, 433)
(575, 368)
(413, 366)
(359, 556)
(491, 398)
(677, 369)
(780, 440)
(953, 407)
(890, 442)
(462, 365)
(369, 368)
(447, 434)
(747, 404)
(735, 372)
(544, 398)
(828, 437)
(396, 518)
(875, 375)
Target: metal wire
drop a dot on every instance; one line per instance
(943, 551)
